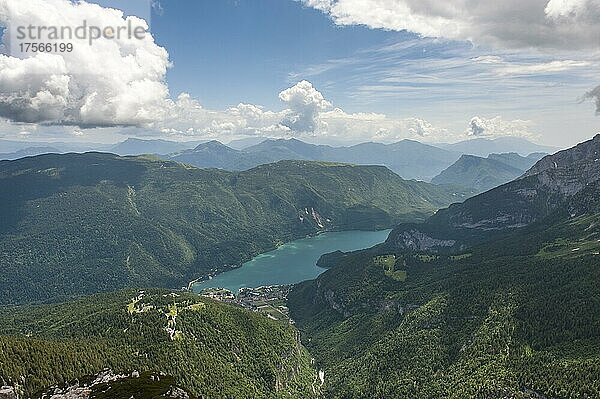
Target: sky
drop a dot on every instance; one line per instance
(330, 71)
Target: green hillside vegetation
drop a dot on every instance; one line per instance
(83, 223)
(210, 349)
(500, 298)
(498, 322)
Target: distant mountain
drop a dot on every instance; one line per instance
(518, 161)
(133, 146)
(277, 150)
(10, 146)
(82, 223)
(241, 144)
(481, 174)
(29, 151)
(409, 159)
(214, 154)
(483, 147)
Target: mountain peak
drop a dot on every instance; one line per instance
(210, 144)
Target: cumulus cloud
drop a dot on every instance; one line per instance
(559, 24)
(559, 9)
(118, 81)
(594, 95)
(186, 116)
(304, 103)
(363, 126)
(498, 127)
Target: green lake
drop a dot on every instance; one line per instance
(292, 262)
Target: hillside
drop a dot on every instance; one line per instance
(409, 159)
(210, 349)
(482, 174)
(514, 315)
(84, 223)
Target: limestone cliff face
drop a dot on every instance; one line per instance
(569, 171)
(145, 385)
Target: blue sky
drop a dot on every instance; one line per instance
(230, 51)
(374, 70)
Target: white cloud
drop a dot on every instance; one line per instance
(541, 68)
(533, 68)
(304, 102)
(121, 82)
(376, 127)
(564, 24)
(117, 81)
(497, 127)
(558, 9)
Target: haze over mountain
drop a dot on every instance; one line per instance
(483, 147)
(481, 174)
(133, 146)
(29, 151)
(494, 297)
(241, 144)
(409, 159)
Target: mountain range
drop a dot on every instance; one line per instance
(410, 159)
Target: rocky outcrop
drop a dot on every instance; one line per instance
(550, 184)
(7, 392)
(118, 384)
(418, 241)
(568, 182)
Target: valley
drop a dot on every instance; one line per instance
(83, 223)
(493, 296)
(299, 199)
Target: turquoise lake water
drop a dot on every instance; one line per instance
(292, 262)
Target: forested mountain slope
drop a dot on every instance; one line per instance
(211, 349)
(566, 182)
(514, 316)
(83, 223)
